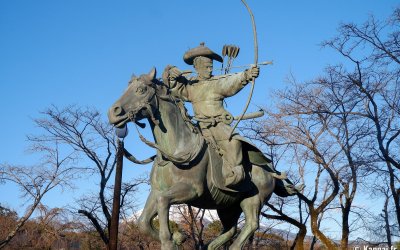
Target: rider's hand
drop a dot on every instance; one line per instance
(253, 72)
(174, 73)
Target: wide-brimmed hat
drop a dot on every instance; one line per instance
(201, 50)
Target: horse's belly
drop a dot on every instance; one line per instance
(215, 198)
(224, 198)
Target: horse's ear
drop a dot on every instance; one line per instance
(133, 76)
(152, 73)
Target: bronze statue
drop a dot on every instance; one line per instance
(188, 168)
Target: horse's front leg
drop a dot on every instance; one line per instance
(177, 194)
(148, 213)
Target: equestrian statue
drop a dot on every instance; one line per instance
(200, 161)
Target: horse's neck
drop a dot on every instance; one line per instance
(172, 134)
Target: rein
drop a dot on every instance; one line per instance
(146, 105)
(133, 159)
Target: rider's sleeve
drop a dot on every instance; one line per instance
(177, 87)
(229, 85)
(180, 90)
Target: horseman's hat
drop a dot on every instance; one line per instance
(201, 50)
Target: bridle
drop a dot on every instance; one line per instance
(146, 104)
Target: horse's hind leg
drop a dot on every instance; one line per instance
(251, 208)
(148, 213)
(178, 194)
(229, 218)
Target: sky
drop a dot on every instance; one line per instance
(55, 52)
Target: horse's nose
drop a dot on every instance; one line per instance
(117, 110)
(115, 113)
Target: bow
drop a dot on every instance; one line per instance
(255, 63)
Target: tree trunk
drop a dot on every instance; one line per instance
(387, 225)
(313, 241)
(345, 225)
(317, 233)
(395, 192)
(298, 243)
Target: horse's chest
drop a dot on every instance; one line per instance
(162, 178)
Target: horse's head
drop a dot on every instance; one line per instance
(138, 101)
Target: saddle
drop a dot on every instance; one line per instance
(251, 156)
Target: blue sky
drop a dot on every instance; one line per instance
(83, 52)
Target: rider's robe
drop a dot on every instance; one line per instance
(207, 98)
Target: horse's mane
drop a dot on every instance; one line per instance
(187, 134)
(163, 92)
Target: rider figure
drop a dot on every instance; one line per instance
(206, 93)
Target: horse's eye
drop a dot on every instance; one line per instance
(140, 90)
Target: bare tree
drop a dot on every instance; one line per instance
(298, 242)
(34, 182)
(372, 70)
(313, 124)
(347, 121)
(382, 227)
(191, 221)
(300, 133)
(87, 137)
(256, 131)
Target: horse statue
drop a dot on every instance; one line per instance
(187, 169)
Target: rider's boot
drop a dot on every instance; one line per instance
(234, 176)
